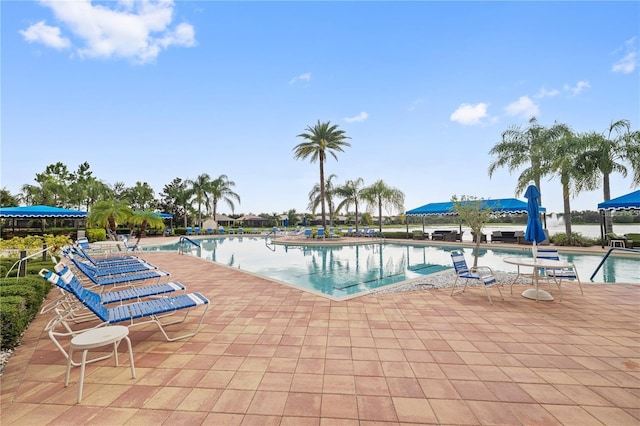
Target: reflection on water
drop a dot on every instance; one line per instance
(350, 269)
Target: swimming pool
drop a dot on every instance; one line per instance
(346, 270)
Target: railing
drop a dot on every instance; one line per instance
(607, 255)
(183, 240)
(25, 258)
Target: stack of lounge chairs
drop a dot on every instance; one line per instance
(123, 290)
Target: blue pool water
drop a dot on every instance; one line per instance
(347, 270)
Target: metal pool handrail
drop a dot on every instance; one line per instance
(607, 255)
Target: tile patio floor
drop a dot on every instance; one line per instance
(270, 354)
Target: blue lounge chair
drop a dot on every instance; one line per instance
(117, 268)
(221, 230)
(189, 230)
(209, 231)
(320, 233)
(557, 274)
(111, 260)
(483, 274)
(136, 313)
(240, 230)
(89, 273)
(307, 233)
(125, 242)
(130, 293)
(196, 230)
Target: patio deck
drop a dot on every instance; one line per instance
(272, 354)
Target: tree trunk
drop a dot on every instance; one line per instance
(567, 211)
(380, 214)
(356, 216)
(477, 252)
(324, 217)
(606, 188)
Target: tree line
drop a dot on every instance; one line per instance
(581, 161)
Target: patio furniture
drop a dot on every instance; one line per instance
(133, 314)
(483, 238)
(557, 274)
(513, 237)
(483, 274)
(96, 338)
(444, 235)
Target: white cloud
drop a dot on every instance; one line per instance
(360, 117)
(578, 88)
(524, 107)
(544, 93)
(131, 29)
(45, 34)
(468, 114)
(302, 77)
(629, 61)
(415, 104)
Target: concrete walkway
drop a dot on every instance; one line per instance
(270, 354)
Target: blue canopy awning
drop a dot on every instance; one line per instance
(630, 201)
(502, 205)
(40, 212)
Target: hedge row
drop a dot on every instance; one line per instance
(20, 300)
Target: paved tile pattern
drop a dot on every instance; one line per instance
(270, 354)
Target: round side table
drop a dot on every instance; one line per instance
(96, 338)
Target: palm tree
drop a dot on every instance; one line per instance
(329, 192)
(200, 189)
(565, 155)
(381, 195)
(608, 154)
(320, 140)
(522, 147)
(351, 192)
(108, 213)
(145, 218)
(220, 189)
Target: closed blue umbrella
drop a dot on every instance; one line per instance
(534, 233)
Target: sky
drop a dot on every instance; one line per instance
(153, 90)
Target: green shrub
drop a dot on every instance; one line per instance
(31, 296)
(40, 284)
(179, 231)
(12, 320)
(96, 234)
(577, 240)
(397, 235)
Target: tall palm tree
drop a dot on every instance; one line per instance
(608, 153)
(320, 140)
(351, 192)
(200, 188)
(315, 196)
(525, 147)
(220, 189)
(380, 195)
(566, 154)
(108, 213)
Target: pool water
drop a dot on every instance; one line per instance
(347, 270)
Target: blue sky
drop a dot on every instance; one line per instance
(157, 90)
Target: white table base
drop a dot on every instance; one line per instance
(542, 295)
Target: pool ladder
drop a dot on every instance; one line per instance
(607, 255)
(182, 242)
